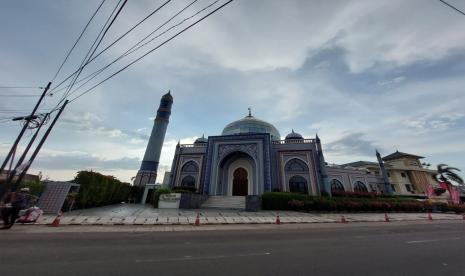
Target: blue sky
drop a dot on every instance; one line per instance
(363, 74)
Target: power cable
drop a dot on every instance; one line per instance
(131, 29)
(452, 7)
(77, 40)
(92, 49)
(136, 47)
(152, 50)
(114, 42)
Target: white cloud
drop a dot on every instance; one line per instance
(264, 54)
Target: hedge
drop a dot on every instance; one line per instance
(301, 202)
(158, 192)
(97, 189)
(376, 195)
(184, 189)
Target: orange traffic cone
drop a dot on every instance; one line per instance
(278, 220)
(386, 218)
(197, 220)
(343, 219)
(430, 217)
(56, 221)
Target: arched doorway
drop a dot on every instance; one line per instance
(298, 184)
(188, 181)
(337, 186)
(360, 187)
(240, 182)
(225, 184)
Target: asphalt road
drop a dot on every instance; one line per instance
(354, 249)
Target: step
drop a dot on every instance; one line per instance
(225, 202)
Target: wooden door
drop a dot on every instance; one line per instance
(240, 182)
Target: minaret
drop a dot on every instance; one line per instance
(147, 173)
(387, 185)
(322, 164)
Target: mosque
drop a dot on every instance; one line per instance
(250, 158)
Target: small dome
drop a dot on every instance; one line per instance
(250, 124)
(201, 140)
(294, 136)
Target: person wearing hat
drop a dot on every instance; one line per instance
(12, 204)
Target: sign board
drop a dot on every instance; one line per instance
(169, 201)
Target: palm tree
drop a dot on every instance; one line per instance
(446, 174)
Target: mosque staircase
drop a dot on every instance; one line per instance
(225, 202)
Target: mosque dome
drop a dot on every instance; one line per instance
(250, 124)
(294, 136)
(201, 140)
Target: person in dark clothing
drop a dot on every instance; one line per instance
(12, 204)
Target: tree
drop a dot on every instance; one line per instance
(97, 189)
(447, 175)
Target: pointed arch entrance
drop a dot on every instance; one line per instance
(240, 182)
(237, 176)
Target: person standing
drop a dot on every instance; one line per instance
(12, 204)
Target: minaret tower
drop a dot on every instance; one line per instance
(387, 185)
(325, 187)
(147, 173)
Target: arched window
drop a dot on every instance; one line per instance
(336, 186)
(296, 165)
(298, 184)
(190, 166)
(360, 187)
(188, 181)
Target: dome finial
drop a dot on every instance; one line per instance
(250, 112)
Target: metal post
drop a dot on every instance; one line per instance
(39, 146)
(15, 144)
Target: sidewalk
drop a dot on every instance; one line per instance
(134, 214)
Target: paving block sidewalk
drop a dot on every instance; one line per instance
(134, 214)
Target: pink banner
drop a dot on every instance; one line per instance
(453, 192)
(429, 191)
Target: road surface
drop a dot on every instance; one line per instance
(433, 248)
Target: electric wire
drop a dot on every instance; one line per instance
(96, 43)
(78, 39)
(150, 51)
(452, 7)
(114, 42)
(137, 46)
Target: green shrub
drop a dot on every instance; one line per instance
(97, 189)
(157, 193)
(35, 188)
(300, 202)
(280, 200)
(184, 189)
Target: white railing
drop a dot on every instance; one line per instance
(193, 145)
(294, 141)
(278, 142)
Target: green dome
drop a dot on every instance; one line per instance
(294, 136)
(250, 124)
(201, 140)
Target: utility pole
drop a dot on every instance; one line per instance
(15, 144)
(12, 173)
(39, 146)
